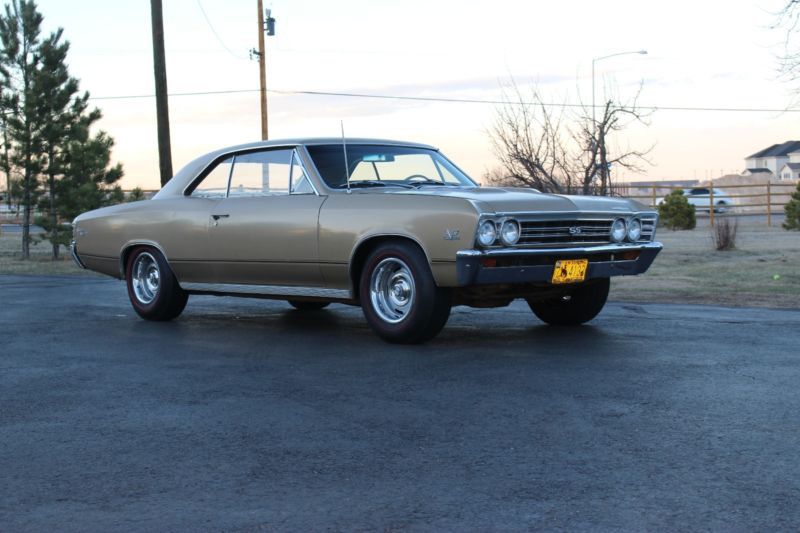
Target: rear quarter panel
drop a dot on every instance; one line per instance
(178, 227)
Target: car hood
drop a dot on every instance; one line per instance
(515, 200)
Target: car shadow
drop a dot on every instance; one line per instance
(342, 330)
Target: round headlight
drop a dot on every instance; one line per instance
(618, 230)
(509, 232)
(634, 229)
(487, 233)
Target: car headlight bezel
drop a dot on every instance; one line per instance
(510, 232)
(634, 232)
(487, 233)
(618, 231)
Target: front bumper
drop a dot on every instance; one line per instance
(482, 267)
(73, 251)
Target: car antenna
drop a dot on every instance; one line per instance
(346, 166)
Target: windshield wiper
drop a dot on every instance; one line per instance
(418, 184)
(374, 183)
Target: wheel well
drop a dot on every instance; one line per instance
(126, 253)
(365, 248)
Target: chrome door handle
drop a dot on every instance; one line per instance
(217, 217)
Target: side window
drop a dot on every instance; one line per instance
(299, 179)
(215, 184)
(261, 173)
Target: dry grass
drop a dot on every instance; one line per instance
(724, 233)
(40, 263)
(762, 271)
(688, 270)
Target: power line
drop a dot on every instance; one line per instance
(452, 100)
(219, 39)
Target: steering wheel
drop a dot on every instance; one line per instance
(414, 177)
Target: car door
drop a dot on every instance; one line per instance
(184, 236)
(265, 231)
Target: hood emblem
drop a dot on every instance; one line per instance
(452, 235)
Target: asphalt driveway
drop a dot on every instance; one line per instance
(247, 415)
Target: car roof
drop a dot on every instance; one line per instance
(315, 141)
(179, 181)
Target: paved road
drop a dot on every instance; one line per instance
(245, 415)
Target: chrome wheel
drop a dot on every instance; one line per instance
(392, 290)
(145, 278)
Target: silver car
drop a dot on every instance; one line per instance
(701, 199)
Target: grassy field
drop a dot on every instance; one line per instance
(763, 270)
(689, 270)
(41, 262)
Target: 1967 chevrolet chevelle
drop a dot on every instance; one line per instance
(394, 227)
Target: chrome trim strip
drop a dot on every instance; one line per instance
(268, 290)
(609, 248)
(73, 251)
(577, 214)
(240, 151)
(296, 157)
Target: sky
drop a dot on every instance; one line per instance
(713, 54)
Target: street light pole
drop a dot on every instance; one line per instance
(595, 60)
(595, 144)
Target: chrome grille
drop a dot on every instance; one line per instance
(575, 232)
(547, 232)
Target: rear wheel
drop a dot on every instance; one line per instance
(301, 305)
(578, 306)
(399, 297)
(152, 288)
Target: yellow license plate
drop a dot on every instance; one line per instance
(570, 271)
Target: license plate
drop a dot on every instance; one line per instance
(570, 271)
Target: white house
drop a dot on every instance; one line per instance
(791, 170)
(773, 159)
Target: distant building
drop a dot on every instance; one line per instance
(777, 160)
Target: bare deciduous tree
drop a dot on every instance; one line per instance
(540, 145)
(527, 140)
(596, 138)
(788, 19)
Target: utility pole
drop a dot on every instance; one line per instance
(264, 26)
(162, 105)
(262, 70)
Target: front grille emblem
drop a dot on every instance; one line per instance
(574, 230)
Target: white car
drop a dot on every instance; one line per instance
(700, 198)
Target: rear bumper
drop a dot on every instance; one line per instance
(73, 251)
(480, 267)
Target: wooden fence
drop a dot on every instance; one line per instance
(765, 199)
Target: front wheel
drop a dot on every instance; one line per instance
(152, 288)
(399, 296)
(576, 307)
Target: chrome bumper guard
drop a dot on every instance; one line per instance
(73, 251)
(603, 263)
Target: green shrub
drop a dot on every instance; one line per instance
(675, 212)
(792, 210)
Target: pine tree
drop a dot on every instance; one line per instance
(792, 210)
(19, 42)
(62, 111)
(64, 168)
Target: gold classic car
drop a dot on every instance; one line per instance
(394, 227)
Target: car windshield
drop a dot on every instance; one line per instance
(385, 166)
